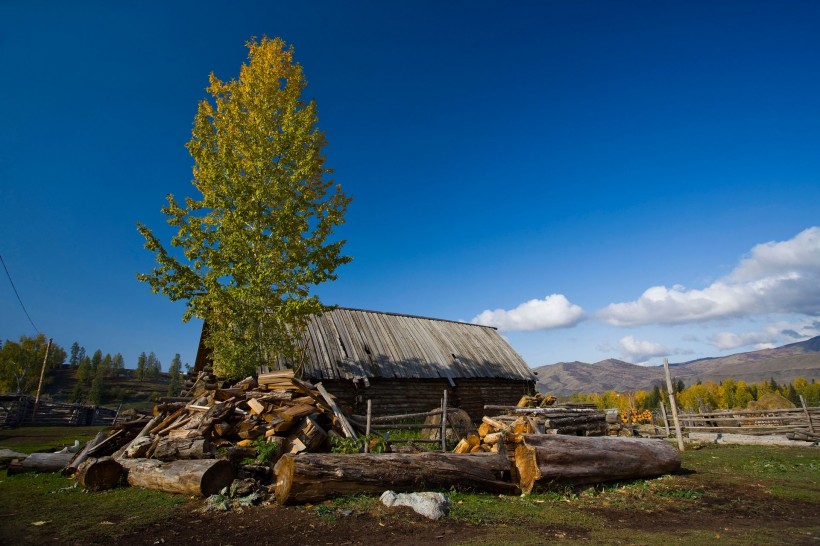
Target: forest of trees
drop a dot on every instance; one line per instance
(728, 394)
(96, 375)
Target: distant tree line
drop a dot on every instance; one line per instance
(21, 362)
(708, 395)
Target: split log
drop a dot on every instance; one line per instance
(313, 477)
(99, 474)
(173, 448)
(545, 459)
(75, 463)
(200, 477)
(43, 462)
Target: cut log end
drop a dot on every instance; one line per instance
(99, 474)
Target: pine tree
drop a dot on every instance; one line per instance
(153, 367)
(84, 372)
(118, 365)
(142, 361)
(174, 372)
(74, 359)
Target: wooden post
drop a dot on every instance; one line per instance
(808, 415)
(672, 403)
(367, 426)
(444, 422)
(40, 385)
(665, 418)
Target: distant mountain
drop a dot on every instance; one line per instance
(783, 364)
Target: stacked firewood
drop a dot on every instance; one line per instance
(572, 419)
(195, 445)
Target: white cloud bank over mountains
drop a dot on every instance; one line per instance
(774, 278)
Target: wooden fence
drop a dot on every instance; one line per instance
(798, 423)
(409, 421)
(18, 410)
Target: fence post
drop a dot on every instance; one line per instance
(367, 426)
(672, 403)
(444, 422)
(665, 418)
(808, 415)
(40, 385)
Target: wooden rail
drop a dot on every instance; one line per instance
(20, 409)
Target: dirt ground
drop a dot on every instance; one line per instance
(728, 510)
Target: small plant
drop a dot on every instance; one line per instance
(265, 452)
(375, 443)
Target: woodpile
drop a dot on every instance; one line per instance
(573, 419)
(276, 429)
(176, 449)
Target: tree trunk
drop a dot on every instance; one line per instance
(312, 477)
(200, 477)
(544, 459)
(42, 462)
(99, 474)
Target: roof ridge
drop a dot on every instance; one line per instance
(411, 316)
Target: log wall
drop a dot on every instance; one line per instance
(401, 396)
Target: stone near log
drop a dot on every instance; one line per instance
(430, 505)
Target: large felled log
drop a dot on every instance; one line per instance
(42, 462)
(544, 459)
(312, 477)
(99, 474)
(202, 477)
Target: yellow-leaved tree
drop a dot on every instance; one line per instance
(261, 234)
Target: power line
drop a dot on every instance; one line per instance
(16, 294)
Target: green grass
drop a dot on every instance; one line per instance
(37, 507)
(45, 439)
(725, 494)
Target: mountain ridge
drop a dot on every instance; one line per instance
(783, 364)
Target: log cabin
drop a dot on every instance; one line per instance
(404, 363)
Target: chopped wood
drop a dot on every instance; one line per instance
(256, 406)
(346, 428)
(171, 448)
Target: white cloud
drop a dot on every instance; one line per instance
(554, 311)
(634, 350)
(773, 335)
(776, 277)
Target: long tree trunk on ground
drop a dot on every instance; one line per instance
(42, 462)
(312, 477)
(544, 459)
(202, 477)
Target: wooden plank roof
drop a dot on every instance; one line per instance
(352, 343)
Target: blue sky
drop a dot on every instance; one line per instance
(598, 179)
